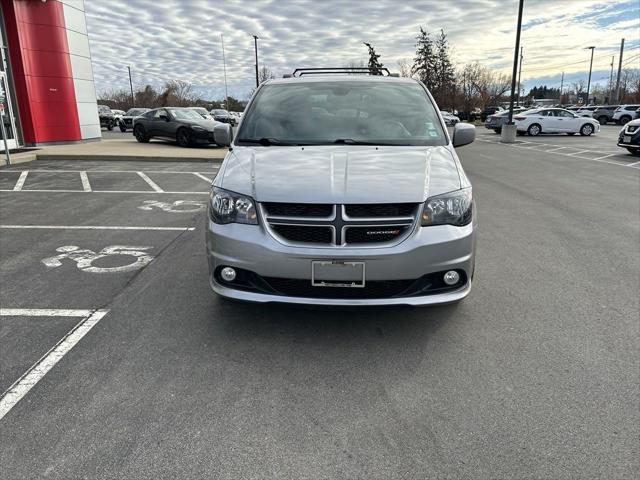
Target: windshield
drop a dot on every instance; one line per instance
(186, 114)
(380, 113)
(132, 112)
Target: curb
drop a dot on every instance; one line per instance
(126, 158)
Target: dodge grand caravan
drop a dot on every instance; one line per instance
(342, 190)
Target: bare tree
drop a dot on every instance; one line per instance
(404, 67)
(264, 74)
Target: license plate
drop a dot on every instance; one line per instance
(337, 273)
(626, 139)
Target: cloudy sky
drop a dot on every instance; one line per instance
(180, 39)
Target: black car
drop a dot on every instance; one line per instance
(224, 116)
(127, 121)
(183, 125)
(629, 137)
(107, 118)
(489, 111)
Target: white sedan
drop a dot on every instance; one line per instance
(554, 120)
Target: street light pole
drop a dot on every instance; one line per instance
(133, 100)
(224, 66)
(255, 40)
(508, 134)
(610, 101)
(520, 75)
(590, 68)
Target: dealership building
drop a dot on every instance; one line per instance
(47, 93)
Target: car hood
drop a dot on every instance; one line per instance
(340, 174)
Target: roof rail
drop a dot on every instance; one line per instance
(298, 72)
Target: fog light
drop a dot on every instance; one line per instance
(228, 274)
(450, 278)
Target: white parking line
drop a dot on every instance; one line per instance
(633, 164)
(151, 183)
(32, 376)
(577, 153)
(203, 177)
(19, 184)
(86, 186)
(51, 170)
(94, 227)
(109, 191)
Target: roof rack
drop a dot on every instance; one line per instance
(299, 72)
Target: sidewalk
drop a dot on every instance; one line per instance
(120, 149)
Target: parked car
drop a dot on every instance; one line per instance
(392, 222)
(586, 111)
(604, 113)
(554, 120)
(107, 119)
(629, 137)
(128, 119)
(183, 125)
(117, 115)
(223, 116)
(638, 113)
(624, 113)
(489, 111)
(449, 118)
(497, 120)
(202, 112)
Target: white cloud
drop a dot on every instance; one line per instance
(171, 39)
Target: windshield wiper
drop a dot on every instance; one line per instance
(267, 141)
(351, 141)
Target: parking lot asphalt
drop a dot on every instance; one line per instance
(534, 375)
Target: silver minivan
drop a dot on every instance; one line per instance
(342, 190)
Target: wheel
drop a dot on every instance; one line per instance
(110, 126)
(183, 137)
(634, 151)
(123, 128)
(140, 134)
(586, 130)
(534, 129)
(625, 119)
(603, 120)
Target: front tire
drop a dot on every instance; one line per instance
(625, 119)
(183, 137)
(586, 130)
(634, 151)
(140, 134)
(534, 130)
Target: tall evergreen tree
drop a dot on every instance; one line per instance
(374, 63)
(424, 61)
(444, 74)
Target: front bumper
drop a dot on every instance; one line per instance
(426, 250)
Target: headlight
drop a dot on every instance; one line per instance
(229, 207)
(453, 208)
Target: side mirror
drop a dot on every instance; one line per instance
(223, 134)
(463, 134)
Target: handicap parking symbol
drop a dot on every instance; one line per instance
(184, 206)
(84, 258)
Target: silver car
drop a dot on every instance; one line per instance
(342, 190)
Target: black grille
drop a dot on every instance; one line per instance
(305, 234)
(299, 209)
(380, 210)
(303, 288)
(373, 234)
